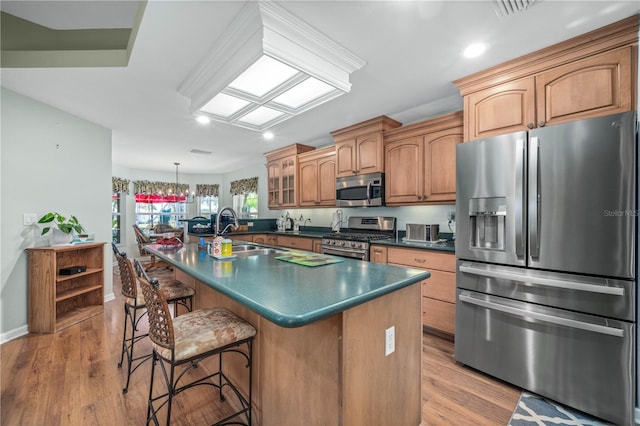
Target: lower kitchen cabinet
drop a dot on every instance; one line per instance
(300, 243)
(438, 291)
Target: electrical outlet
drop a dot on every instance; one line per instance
(249, 224)
(29, 219)
(389, 340)
(451, 215)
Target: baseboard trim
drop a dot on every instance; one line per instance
(23, 330)
(14, 334)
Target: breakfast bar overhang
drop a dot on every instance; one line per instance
(338, 344)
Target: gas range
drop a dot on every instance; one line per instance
(355, 241)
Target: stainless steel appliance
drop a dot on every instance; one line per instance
(360, 191)
(354, 242)
(546, 270)
(418, 232)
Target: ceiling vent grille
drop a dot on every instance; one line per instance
(200, 151)
(509, 7)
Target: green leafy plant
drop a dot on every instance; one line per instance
(61, 222)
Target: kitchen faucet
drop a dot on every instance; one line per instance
(234, 224)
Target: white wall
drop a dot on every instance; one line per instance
(51, 161)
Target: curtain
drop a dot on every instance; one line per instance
(119, 185)
(244, 186)
(147, 187)
(203, 190)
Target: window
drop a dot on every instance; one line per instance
(246, 205)
(208, 205)
(116, 218)
(152, 210)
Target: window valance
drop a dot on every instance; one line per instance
(119, 185)
(244, 186)
(147, 187)
(204, 190)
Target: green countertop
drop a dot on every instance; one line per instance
(287, 294)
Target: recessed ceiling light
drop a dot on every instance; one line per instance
(202, 119)
(474, 50)
(267, 135)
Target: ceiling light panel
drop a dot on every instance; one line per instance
(266, 67)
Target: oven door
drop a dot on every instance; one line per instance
(349, 254)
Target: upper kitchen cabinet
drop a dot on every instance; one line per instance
(282, 175)
(359, 148)
(421, 161)
(584, 77)
(318, 177)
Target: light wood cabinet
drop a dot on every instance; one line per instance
(300, 243)
(588, 76)
(421, 161)
(242, 237)
(59, 301)
(359, 148)
(282, 176)
(438, 291)
(318, 178)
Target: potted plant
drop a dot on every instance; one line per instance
(64, 227)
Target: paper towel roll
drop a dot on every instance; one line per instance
(337, 221)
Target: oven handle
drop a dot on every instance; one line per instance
(525, 314)
(347, 254)
(549, 282)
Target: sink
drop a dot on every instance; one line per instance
(244, 247)
(256, 251)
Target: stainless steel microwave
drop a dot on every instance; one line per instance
(360, 191)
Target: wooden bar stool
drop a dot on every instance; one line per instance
(186, 340)
(134, 310)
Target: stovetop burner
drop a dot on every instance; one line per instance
(366, 228)
(358, 236)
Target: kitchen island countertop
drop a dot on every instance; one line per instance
(287, 294)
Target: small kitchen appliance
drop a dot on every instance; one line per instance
(354, 242)
(416, 232)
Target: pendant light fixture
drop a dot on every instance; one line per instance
(189, 197)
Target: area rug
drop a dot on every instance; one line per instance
(536, 410)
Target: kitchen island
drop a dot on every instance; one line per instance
(321, 355)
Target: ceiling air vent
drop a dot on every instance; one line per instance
(509, 7)
(200, 151)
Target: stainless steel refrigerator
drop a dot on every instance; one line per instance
(546, 272)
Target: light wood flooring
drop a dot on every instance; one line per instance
(71, 378)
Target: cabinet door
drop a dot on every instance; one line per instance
(260, 239)
(506, 108)
(273, 182)
(440, 165)
(404, 170)
(369, 153)
(346, 158)
(327, 181)
(289, 176)
(309, 183)
(596, 86)
(378, 254)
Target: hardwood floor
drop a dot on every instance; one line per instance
(71, 378)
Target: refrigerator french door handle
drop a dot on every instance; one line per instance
(528, 315)
(520, 201)
(548, 282)
(534, 198)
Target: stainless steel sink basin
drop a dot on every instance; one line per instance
(256, 251)
(244, 247)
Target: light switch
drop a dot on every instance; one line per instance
(29, 219)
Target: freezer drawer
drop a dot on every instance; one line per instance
(583, 361)
(593, 295)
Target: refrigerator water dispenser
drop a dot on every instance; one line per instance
(487, 223)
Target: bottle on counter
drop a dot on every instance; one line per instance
(227, 247)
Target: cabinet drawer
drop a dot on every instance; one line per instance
(441, 286)
(422, 259)
(439, 315)
(300, 243)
